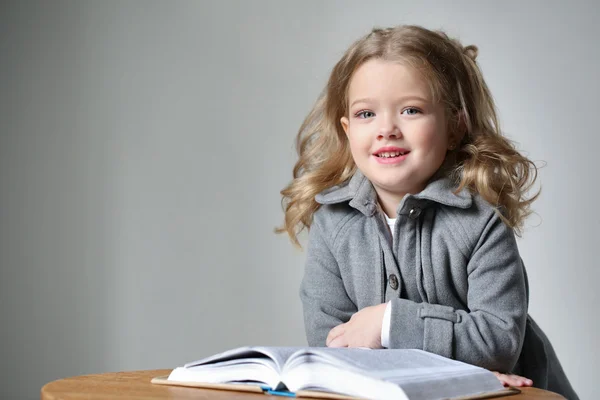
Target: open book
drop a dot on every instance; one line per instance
(339, 373)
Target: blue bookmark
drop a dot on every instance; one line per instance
(281, 393)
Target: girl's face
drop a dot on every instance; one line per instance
(398, 137)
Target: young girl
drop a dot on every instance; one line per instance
(412, 198)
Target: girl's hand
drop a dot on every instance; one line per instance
(363, 329)
(513, 380)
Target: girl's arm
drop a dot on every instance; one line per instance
(491, 332)
(325, 301)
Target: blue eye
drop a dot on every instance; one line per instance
(365, 114)
(416, 111)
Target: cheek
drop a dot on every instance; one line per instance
(433, 139)
(432, 142)
(358, 142)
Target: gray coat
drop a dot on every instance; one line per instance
(453, 273)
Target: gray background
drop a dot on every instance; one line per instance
(143, 145)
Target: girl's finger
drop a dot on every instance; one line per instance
(334, 333)
(339, 341)
(513, 380)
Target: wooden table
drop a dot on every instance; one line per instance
(136, 385)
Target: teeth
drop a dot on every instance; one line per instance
(388, 154)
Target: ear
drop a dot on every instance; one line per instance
(345, 123)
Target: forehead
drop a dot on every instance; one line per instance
(380, 78)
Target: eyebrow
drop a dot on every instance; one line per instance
(369, 99)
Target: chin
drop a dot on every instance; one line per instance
(399, 186)
(394, 186)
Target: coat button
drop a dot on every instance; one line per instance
(393, 281)
(414, 213)
(371, 208)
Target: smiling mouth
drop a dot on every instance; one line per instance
(391, 154)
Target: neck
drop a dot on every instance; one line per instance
(389, 203)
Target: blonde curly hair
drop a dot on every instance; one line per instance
(485, 162)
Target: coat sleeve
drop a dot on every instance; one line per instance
(324, 299)
(490, 333)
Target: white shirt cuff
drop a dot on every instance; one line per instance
(385, 327)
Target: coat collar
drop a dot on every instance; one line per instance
(361, 195)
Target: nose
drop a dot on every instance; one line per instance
(389, 129)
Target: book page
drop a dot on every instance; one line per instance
(243, 354)
(248, 365)
(420, 374)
